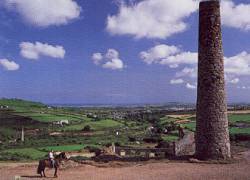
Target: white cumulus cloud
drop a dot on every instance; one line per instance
(110, 60)
(164, 18)
(238, 65)
(234, 81)
(181, 58)
(235, 66)
(97, 58)
(171, 56)
(151, 18)
(158, 53)
(35, 50)
(177, 81)
(45, 13)
(190, 86)
(9, 65)
(190, 72)
(235, 15)
(114, 64)
(243, 87)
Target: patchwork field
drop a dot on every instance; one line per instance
(85, 132)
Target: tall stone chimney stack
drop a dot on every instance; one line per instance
(212, 135)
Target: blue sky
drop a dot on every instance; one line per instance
(102, 52)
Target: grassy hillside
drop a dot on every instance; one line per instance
(38, 111)
(14, 103)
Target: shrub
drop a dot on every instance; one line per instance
(86, 128)
(163, 144)
(108, 144)
(79, 158)
(240, 137)
(153, 139)
(13, 157)
(132, 139)
(117, 144)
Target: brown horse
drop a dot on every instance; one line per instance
(47, 163)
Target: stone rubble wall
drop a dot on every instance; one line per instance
(185, 146)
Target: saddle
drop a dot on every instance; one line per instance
(52, 163)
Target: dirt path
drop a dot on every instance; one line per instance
(148, 171)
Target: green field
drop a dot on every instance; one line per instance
(65, 148)
(239, 118)
(26, 153)
(191, 126)
(95, 125)
(239, 130)
(49, 117)
(39, 153)
(233, 120)
(7, 132)
(167, 119)
(170, 137)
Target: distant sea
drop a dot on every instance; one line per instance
(167, 105)
(171, 104)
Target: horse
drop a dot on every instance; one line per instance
(47, 163)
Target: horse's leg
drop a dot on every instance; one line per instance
(55, 175)
(41, 173)
(44, 173)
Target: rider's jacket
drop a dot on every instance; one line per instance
(51, 156)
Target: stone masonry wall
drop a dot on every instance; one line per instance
(212, 136)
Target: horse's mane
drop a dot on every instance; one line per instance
(60, 155)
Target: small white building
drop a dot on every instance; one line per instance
(61, 122)
(4, 107)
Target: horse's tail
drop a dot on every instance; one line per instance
(39, 168)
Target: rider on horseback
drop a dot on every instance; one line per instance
(51, 158)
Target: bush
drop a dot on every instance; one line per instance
(163, 144)
(13, 157)
(74, 141)
(153, 139)
(108, 144)
(132, 139)
(86, 128)
(171, 126)
(96, 119)
(240, 137)
(117, 144)
(79, 158)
